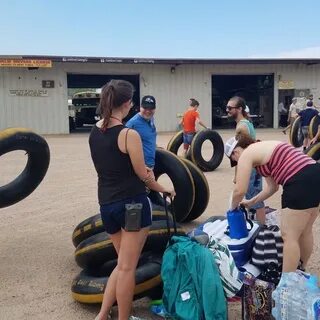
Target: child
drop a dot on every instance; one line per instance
(188, 122)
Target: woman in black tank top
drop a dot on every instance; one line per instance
(122, 176)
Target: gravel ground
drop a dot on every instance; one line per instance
(37, 264)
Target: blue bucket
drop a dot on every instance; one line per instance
(237, 224)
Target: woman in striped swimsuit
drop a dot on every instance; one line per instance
(299, 175)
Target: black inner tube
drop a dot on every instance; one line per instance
(94, 225)
(178, 172)
(313, 127)
(89, 286)
(175, 142)
(196, 148)
(314, 151)
(296, 136)
(202, 191)
(36, 168)
(93, 252)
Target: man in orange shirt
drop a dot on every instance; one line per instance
(188, 122)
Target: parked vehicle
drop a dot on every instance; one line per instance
(85, 108)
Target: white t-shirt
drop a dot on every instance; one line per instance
(294, 110)
(281, 108)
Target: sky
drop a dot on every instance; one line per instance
(161, 29)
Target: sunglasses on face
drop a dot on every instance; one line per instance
(229, 107)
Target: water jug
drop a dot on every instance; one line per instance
(313, 298)
(237, 224)
(290, 297)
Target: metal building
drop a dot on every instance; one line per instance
(34, 89)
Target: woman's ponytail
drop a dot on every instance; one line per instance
(106, 103)
(113, 95)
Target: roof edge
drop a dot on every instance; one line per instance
(172, 61)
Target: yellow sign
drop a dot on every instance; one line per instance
(25, 63)
(286, 84)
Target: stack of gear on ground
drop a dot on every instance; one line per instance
(251, 279)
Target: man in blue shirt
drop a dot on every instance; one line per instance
(143, 123)
(306, 116)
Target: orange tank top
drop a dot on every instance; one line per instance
(189, 121)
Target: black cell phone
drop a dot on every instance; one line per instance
(133, 217)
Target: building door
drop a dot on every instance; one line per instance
(87, 113)
(257, 90)
(284, 101)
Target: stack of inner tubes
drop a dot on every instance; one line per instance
(195, 154)
(96, 255)
(38, 153)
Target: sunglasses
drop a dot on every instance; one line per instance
(229, 107)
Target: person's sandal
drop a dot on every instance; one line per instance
(300, 266)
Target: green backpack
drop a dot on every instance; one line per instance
(192, 289)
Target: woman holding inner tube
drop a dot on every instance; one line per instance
(299, 175)
(117, 155)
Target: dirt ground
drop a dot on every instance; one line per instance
(36, 253)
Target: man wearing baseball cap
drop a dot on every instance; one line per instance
(143, 123)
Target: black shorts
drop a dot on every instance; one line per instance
(113, 214)
(302, 191)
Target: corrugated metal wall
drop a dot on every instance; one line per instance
(41, 114)
(172, 90)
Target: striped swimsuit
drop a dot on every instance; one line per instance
(284, 163)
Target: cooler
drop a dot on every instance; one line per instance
(241, 249)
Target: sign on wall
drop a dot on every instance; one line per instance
(25, 63)
(28, 92)
(47, 83)
(286, 84)
(302, 93)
